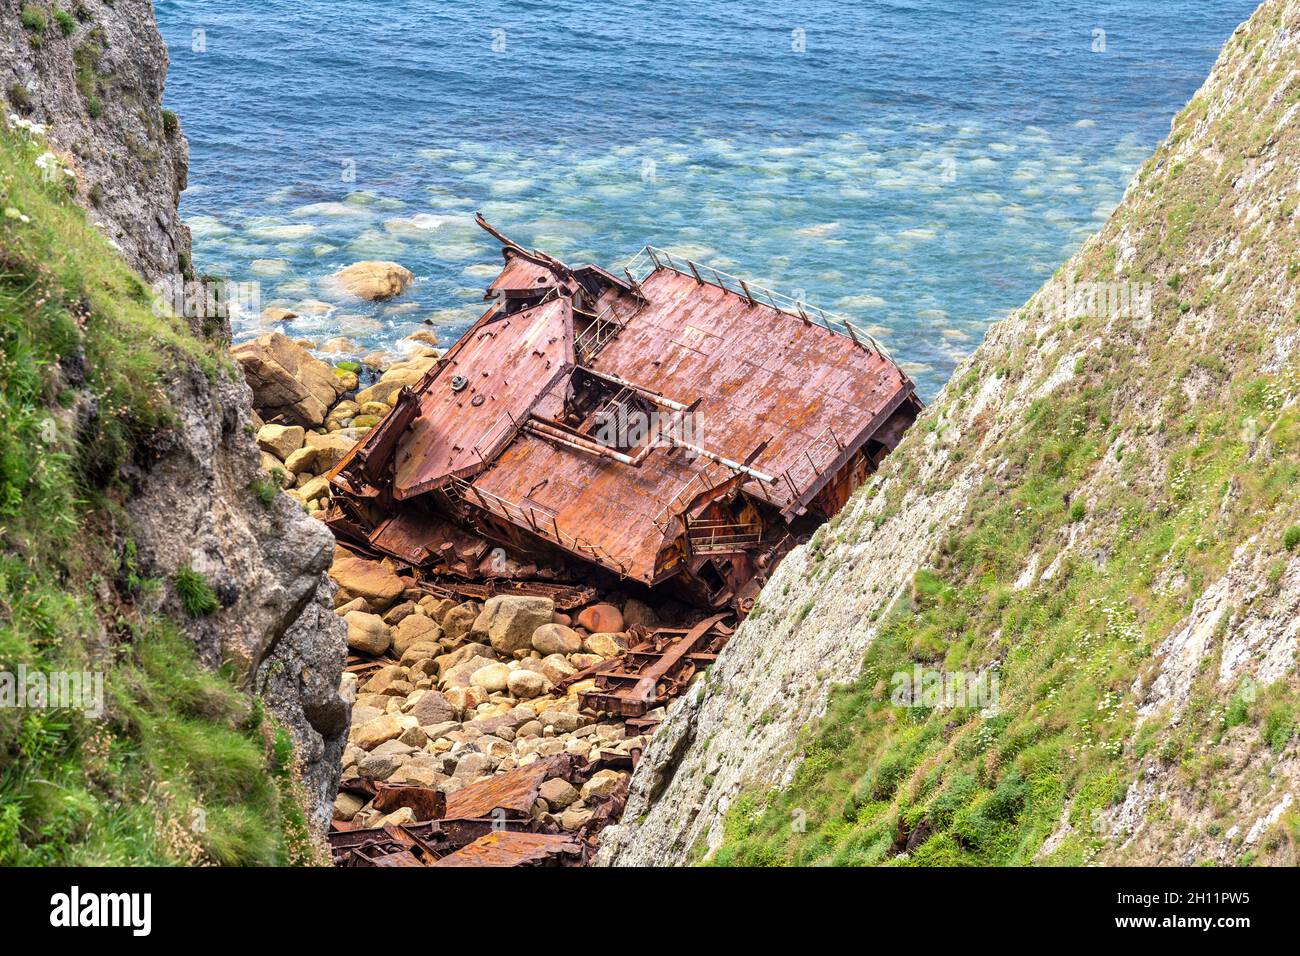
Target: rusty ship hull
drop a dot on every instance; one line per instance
(668, 428)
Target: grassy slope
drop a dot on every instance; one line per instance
(1167, 449)
(183, 768)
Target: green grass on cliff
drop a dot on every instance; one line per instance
(1201, 446)
(182, 767)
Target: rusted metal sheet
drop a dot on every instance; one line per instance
(758, 371)
(425, 842)
(504, 848)
(483, 390)
(485, 824)
(514, 792)
(420, 537)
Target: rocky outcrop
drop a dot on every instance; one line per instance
(98, 88)
(196, 505)
(299, 681)
(94, 78)
(288, 382)
(1091, 508)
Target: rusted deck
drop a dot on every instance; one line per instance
(499, 370)
(759, 374)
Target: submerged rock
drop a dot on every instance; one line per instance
(374, 280)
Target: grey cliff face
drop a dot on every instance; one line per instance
(99, 92)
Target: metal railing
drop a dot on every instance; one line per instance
(650, 258)
(722, 537)
(814, 461)
(497, 435)
(542, 524)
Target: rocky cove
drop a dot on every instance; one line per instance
(1098, 509)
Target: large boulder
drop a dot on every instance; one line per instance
(556, 668)
(526, 684)
(564, 721)
(556, 639)
(447, 661)
(492, 678)
(459, 621)
(509, 620)
(421, 771)
(382, 680)
(461, 674)
(605, 645)
(366, 579)
(558, 793)
(280, 440)
(415, 629)
(367, 633)
(287, 381)
(313, 489)
(384, 391)
(601, 618)
(374, 280)
(372, 733)
(432, 707)
(330, 449)
(302, 461)
(602, 784)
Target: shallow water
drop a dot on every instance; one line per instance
(919, 166)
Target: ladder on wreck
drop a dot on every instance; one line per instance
(603, 329)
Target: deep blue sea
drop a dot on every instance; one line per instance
(918, 166)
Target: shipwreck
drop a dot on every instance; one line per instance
(667, 427)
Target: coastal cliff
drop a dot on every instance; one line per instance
(1096, 521)
(175, 501)
(92, 72)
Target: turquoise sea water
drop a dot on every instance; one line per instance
(919, 166)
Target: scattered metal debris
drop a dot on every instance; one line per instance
(489, 823)
(654, 670)
(504, 848)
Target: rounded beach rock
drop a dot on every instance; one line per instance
(374, 280)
